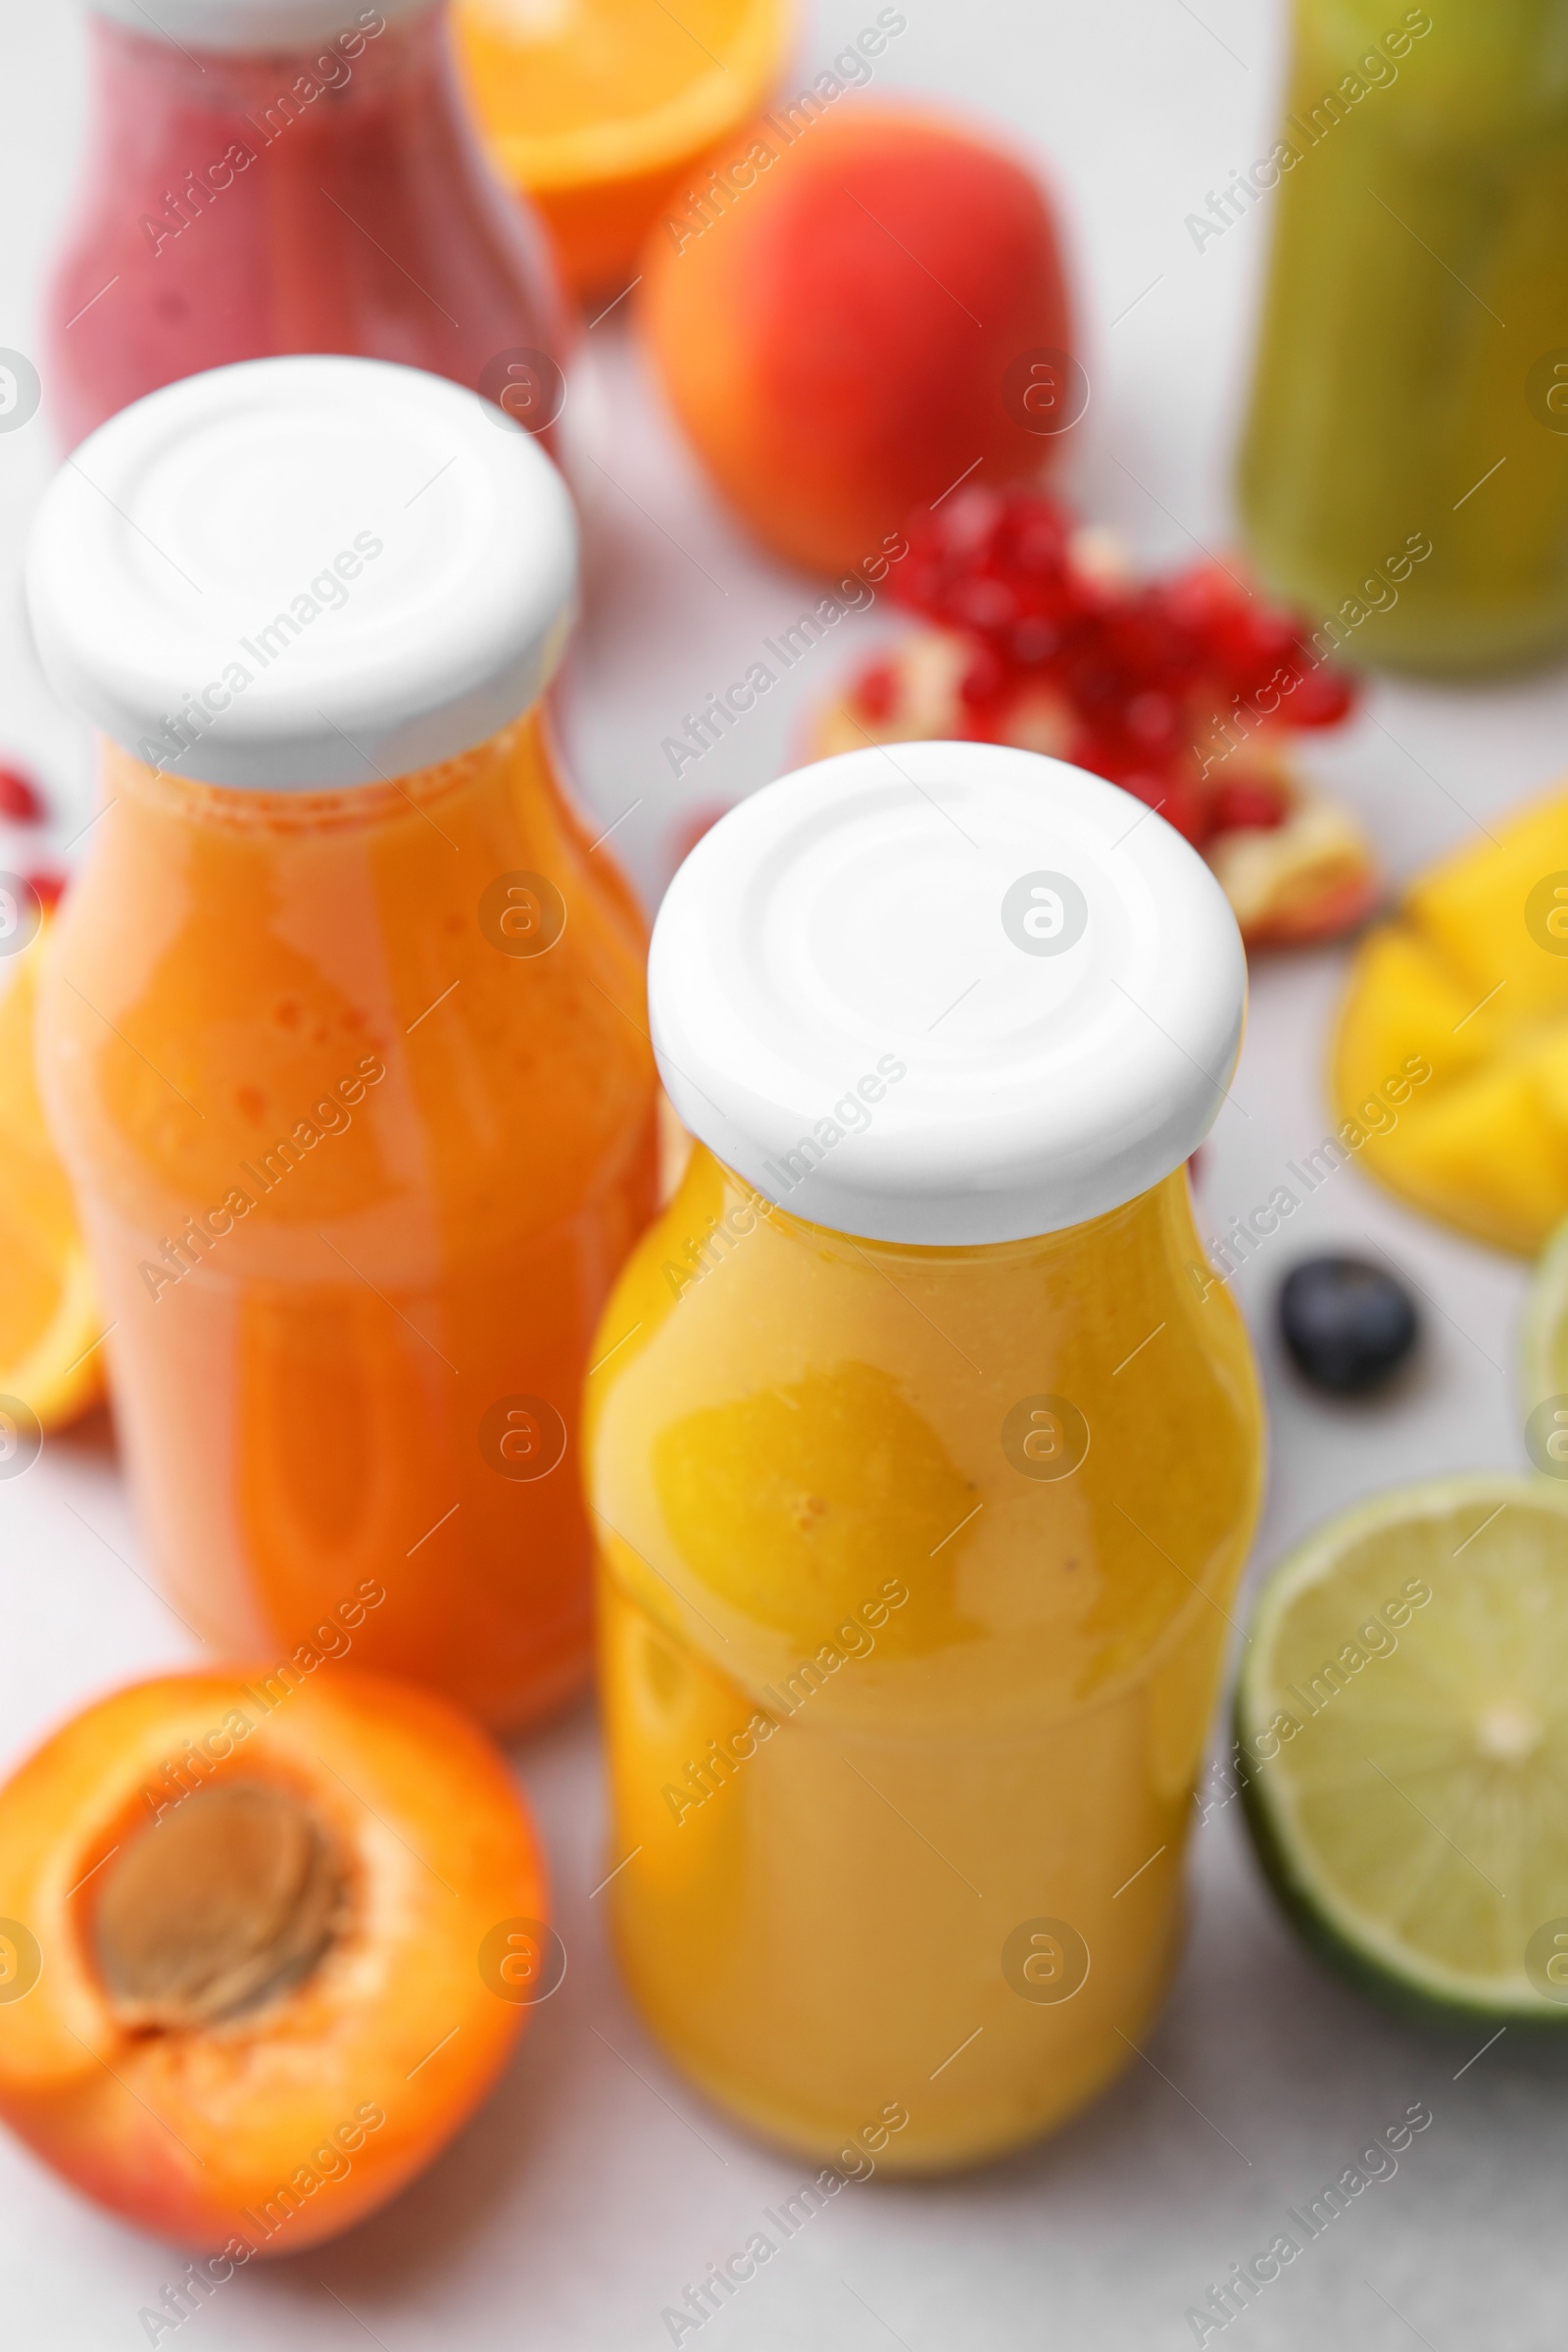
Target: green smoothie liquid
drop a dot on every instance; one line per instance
(1411, 382)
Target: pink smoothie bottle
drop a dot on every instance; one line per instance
(292, 176)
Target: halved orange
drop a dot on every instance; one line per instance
(50, 1316)
(597, 109)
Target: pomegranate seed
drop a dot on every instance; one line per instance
(983, 680)
(21, 800)
(1320, 700)
(876, 692)
(1152, 719)
(1247, 806)
(987, 604)
(1185, 808)
(1032, 642)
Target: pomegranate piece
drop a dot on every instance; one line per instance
(1152, 671)
(1184, 691)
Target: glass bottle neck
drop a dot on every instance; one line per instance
(330, 83)
(520, 763)
(1156, 1222)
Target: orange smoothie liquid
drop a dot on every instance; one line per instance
(360, 1143)
(903, 1721)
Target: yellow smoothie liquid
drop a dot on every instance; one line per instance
(915, 1571)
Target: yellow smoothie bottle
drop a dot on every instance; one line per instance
(923, 1452)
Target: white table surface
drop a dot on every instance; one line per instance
(594, 2183)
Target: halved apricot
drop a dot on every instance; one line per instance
(257, 1963)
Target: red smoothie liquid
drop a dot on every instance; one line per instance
(328, 198)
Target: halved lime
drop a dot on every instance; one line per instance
(1402, 1713)
(1543, 1358)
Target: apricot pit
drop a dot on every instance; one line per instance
(216, 1910)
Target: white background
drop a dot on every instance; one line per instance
(594, 2183)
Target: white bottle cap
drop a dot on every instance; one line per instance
(945, 993)
(255, 27)
(303, 573)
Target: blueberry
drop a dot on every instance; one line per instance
(1347, 1325)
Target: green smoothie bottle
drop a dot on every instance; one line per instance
(1404, 470)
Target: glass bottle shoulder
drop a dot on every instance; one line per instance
(229, 963)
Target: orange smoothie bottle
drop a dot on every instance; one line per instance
(924, 1453)
(343, 1036)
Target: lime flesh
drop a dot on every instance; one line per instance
(1403, 1714)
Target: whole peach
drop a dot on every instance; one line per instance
(851, 313)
